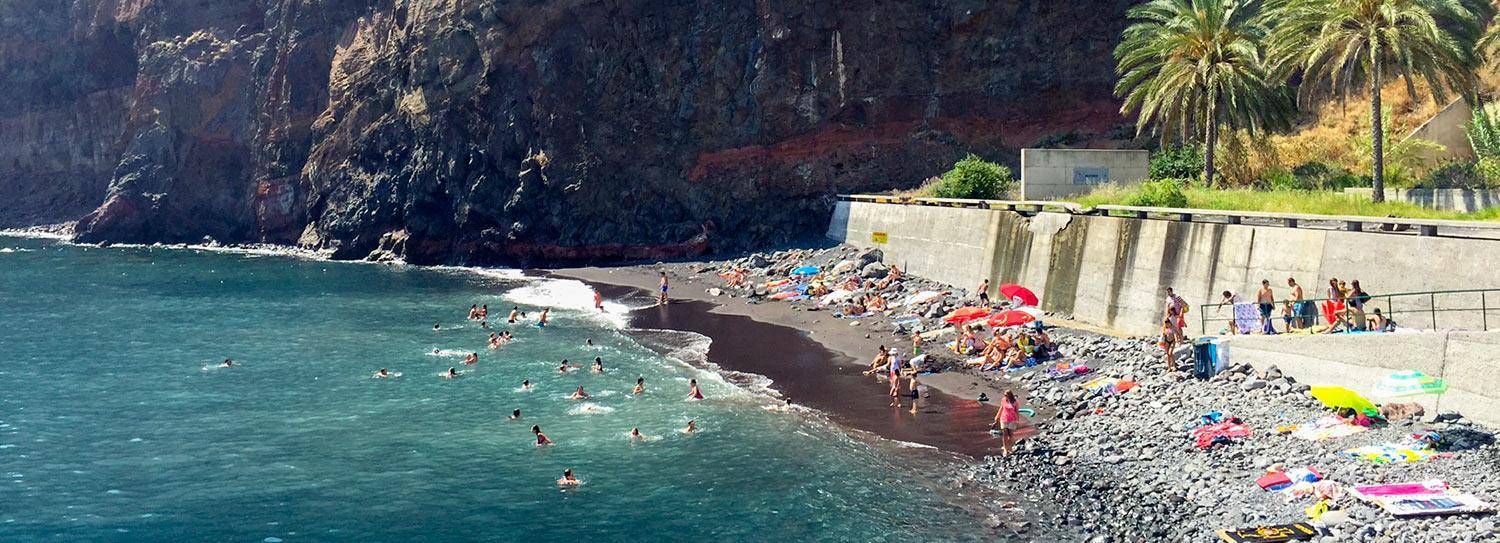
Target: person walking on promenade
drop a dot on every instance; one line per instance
(1265, 300)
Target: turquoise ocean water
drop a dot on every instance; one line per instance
(116, 424)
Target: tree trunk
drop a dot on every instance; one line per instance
(1377, 134)
(1211, 140)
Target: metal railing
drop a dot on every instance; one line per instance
(1463, 309)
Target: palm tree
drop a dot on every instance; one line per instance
(1193, 65)
(1338, 44)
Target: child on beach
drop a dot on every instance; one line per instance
(1006, 420)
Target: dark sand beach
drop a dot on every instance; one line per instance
(813, 359)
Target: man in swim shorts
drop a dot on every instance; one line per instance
(664, 287)
(1265, 301)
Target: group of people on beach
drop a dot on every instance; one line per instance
(1344, 308)
(1007, 348)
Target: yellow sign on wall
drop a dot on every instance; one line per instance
(879, 237)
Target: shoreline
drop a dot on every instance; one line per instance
(814, 366)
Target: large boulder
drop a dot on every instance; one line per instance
(874, 270)
(869, 255)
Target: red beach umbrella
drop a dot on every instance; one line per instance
(966, 314)
(1010, 318)
(1020, 294)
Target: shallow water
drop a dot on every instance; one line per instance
(117, 425)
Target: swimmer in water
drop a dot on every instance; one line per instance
(588, 342)
(484, 324)
(565, 367)
(691, 427)
(227, 363)
(515, 415)
(473, 311)
(472, 359)
(579, 394)
(436, 350)
(494, 340)
(526, 384)
(514, 312)
(568, 480)
(598, 365)
(693, 392)
(541, 320)
(635, 434)
(436, 327)
(450, 374)
(484, 311)
(382, 374)
(541, 438)
(640, 385)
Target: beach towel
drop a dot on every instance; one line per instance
(1220, 433)
(1388, 453)
(1246, 318)
(1326, 428)
(1434, 504)
(1374, 492)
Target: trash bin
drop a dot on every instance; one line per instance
(1205, 358)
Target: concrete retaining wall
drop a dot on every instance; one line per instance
(1468, 361)
(1111, 271)
(1057, 173)
(1466, 201)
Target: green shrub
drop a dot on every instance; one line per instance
(1452, 175)
(1184, 162)
(1317, 175)
(974, 178)
(1160, 193)
(1488, 172)
(1285, 180)
(1484, 131)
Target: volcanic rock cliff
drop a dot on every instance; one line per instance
(519, 131)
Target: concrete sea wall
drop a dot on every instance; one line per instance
(1468, 361)
(1111, 271)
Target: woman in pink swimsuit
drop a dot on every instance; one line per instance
(1006, 420)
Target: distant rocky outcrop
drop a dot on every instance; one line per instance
(469, 131)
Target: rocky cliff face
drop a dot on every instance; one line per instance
(523, 131)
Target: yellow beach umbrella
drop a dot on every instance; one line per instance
(1340, 397)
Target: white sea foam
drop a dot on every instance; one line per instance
(568, 295)
(590, 408)
(14, 250)
(505, 274)
(449, 353)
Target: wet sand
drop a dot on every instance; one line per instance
(806, 370)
